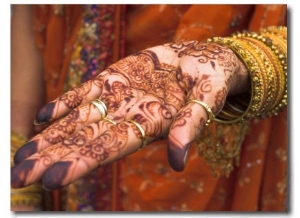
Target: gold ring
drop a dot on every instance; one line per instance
(209, 112)
(142, 132)
(109, 120)
(101, 107)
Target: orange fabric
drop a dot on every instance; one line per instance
(147, 182)
(55, 35)
(153, 185)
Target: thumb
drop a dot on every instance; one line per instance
(188, 124)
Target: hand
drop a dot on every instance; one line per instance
(152, 87)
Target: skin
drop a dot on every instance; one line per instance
(150, 87)
(26, 77)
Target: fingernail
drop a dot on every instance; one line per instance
(177, 156)
(54, 176)
(45, 113)
(20, 172)
(25, 151)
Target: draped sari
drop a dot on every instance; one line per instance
(79, 41)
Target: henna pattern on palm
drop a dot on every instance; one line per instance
(146, 87)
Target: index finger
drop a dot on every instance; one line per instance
(82, 94)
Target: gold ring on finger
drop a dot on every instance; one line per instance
(142, 131)
(209, 112)
(109, 120)
(101, 107)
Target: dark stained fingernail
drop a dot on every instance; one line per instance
(20, 172)
(45, 113)
(53, 177)
(177, 156)
(25, 151)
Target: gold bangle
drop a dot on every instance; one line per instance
(276, 39)
(255, 54)
(274, 73)
(265, 59)
(268, 73)
(254, 71)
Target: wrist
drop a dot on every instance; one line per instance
(264, 55)
(240, 81)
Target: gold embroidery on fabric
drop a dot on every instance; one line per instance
(220, 146)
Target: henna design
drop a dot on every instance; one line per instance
(98, 80)
(95, 151)
(57, 150)
(85, 135)
(174, 94)
(76, 140)
(66, 126)
(205, 84)
(181, 45)
(229, 79)
(213, 65)
(201, 125)
(57, 131)
(111, 140)
(46, 160)
(186, 82)
(206, 52)
(137, 132)
(220, 99)
(203, 87)
(143, 71)
(179, 120)
(75, 97)
(153, 115)
(227, 61)
(120, 95)
(72, 99)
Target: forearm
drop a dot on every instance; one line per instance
(27, 88)
(26, 96)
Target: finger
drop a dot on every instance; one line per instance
(31, 169)
(187, 125)
(84, 93)
(117, 93)
(58, 131)
(81, 116)
(114, 143)
(153, 114)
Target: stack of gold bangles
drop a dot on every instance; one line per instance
(265, 56)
